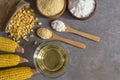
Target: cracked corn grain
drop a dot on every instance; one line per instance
(39, 23)
(32, 35)
(21, 23)
(35, 42)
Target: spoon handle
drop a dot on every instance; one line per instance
(86, 35)
(74, 43)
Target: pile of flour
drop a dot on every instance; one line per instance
(81, 8)
(58, 25)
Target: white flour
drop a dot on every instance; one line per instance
(58, 25)
(81, 8)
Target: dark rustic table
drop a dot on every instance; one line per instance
(99, 61)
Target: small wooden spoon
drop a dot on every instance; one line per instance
(53, 36)
(83, 34)
(74, 43)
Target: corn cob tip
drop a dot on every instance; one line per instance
(19, 49)
(22, 60)
(34, 71)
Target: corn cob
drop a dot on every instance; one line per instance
(18, 73)
(8, 45)
(8, 60)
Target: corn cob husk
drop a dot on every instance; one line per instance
(8, 45)
(18, 73)
(9, 60)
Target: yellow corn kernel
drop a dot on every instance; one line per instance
(18, 41)
(31, 35)
(32, 30)
(39, 23)
(18, 73)
(26, 39)
(35, 43)
(36, 19)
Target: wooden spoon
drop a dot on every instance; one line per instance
(83, 34)
(53, 36)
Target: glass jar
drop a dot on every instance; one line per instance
(51, 58)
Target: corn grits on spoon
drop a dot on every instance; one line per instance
(45, 33)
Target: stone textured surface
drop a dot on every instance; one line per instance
(99, 61)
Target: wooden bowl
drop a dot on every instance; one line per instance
(87, 17)
(55, 16)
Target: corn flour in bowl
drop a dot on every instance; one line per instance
(51, 8)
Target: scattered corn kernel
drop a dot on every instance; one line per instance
(26, 39)
(35, 43)
(32, 31)
(18, 41)
(31, 35)
(39, 23)
(36, 19)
